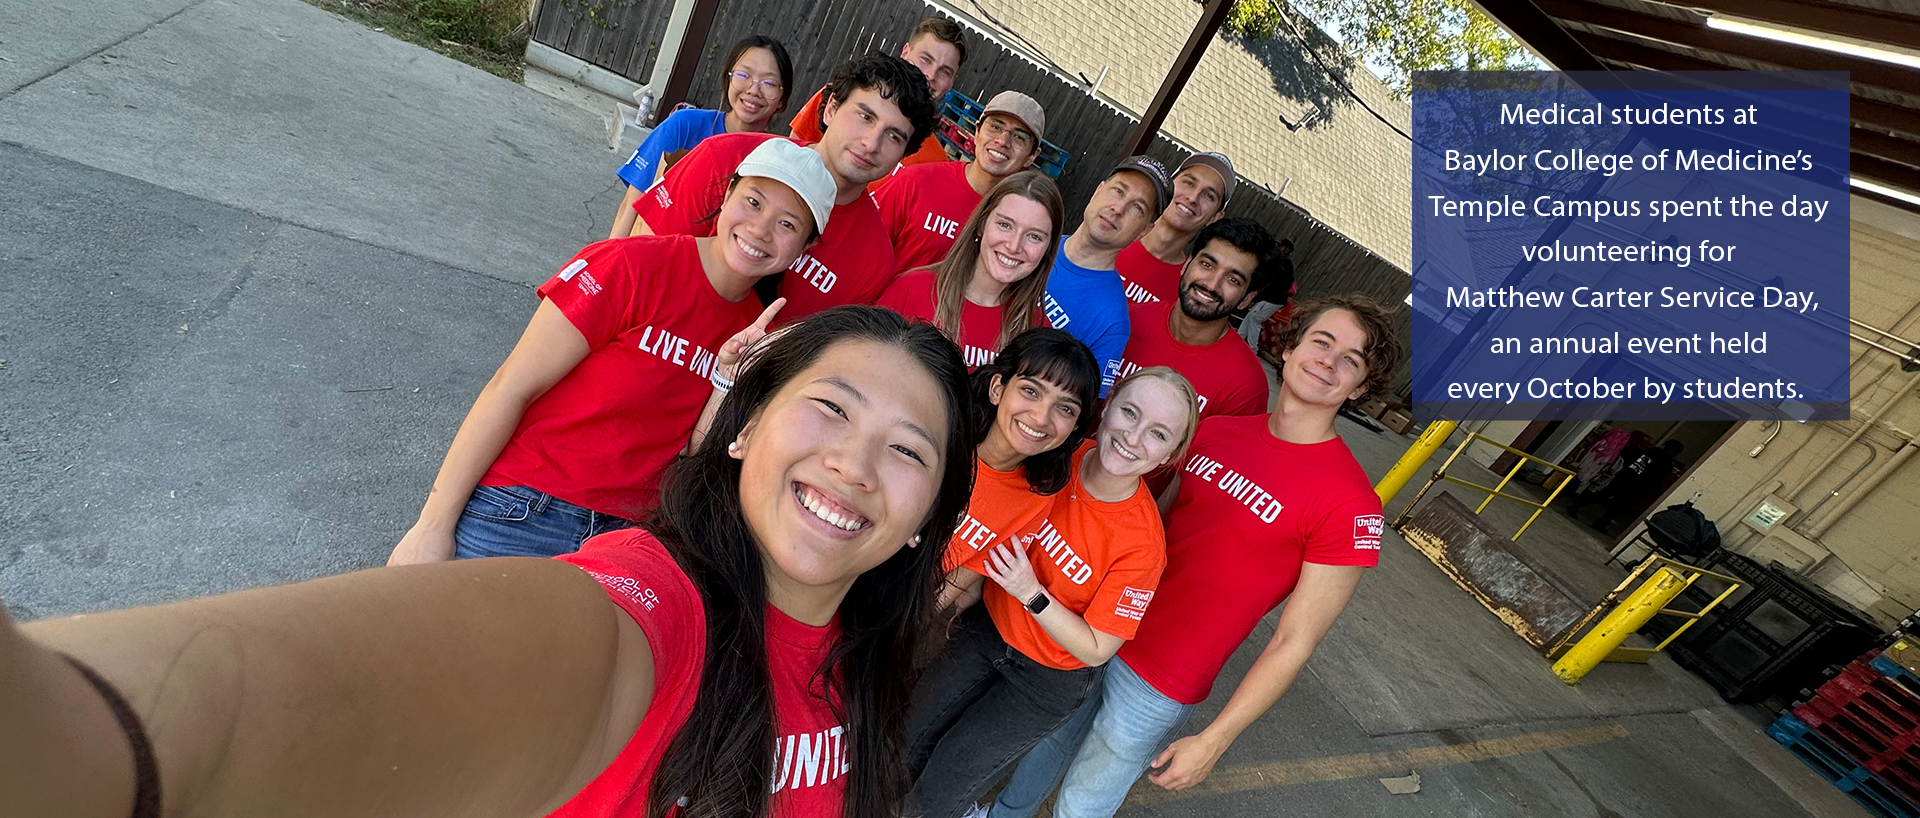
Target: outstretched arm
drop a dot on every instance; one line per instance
(493, 687)
(1317, 600)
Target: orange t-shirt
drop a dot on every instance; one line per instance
(1101, 560)
(1003, 505)
(806, 127)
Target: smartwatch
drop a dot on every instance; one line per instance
(1038, 603)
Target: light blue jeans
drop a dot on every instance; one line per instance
(1101, 751)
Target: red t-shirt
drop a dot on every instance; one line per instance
(1225, 373)
(1003, 506)
(1101, 560)
(806, 125)
(1252, 509)
(810, 751)
(1148, 279)
(851, 264)
(913, 295)
(602, 437)
(923, 208)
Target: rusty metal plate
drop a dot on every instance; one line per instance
(1523, 593)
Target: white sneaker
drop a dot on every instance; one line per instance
(976, 811)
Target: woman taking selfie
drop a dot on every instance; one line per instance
(1060, 604)
(571, 435)
(746, 654)
(988, 288)
(757, 76)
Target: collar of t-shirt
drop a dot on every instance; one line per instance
(799, 634)
(1161, 314)
(1061, 263)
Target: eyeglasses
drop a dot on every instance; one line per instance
(767, 88)
(1022, 139)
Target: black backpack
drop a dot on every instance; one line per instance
(1683, 530)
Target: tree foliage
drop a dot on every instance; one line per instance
(1394, 37)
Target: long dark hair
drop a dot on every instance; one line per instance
(722, 758)
(951, 274)
(1060, 359)
(782, 61)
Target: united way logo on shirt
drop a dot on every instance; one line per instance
(1133, 603)
(1366, 531)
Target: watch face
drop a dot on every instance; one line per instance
(1038, 603)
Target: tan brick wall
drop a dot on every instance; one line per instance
(1879, 539)
(1351, 173)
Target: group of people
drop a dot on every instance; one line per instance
(855, 488)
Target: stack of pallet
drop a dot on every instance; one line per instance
(1861, 731)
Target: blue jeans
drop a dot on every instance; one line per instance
(516, 521)
(1101, 751)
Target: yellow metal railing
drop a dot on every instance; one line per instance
(1650, 599)
(1492, 491)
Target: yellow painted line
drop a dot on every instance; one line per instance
(1265, 775)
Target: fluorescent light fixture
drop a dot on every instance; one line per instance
(1889, 192)
(1813, 39)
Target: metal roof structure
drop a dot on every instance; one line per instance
(1757, 35)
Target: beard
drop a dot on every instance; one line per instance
(1199, 310)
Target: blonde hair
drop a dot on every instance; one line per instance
(1180, 384)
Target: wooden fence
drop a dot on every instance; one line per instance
(1091, 131)
(622, 36)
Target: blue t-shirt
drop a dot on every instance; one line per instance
(680, 131)
(1090, 305)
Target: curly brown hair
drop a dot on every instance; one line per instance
(1382, 350)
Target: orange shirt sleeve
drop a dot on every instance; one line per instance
(806, 121)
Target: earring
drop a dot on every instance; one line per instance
(734, 448)
(915, 542)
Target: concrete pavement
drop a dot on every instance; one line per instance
(258, 261)
(282, 109)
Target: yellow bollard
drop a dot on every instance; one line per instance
(1409, 464)
(1632, 612)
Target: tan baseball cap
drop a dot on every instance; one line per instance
(1021, 107)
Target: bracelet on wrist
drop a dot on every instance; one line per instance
(720, 382)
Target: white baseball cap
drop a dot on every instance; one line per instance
(801, 169)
